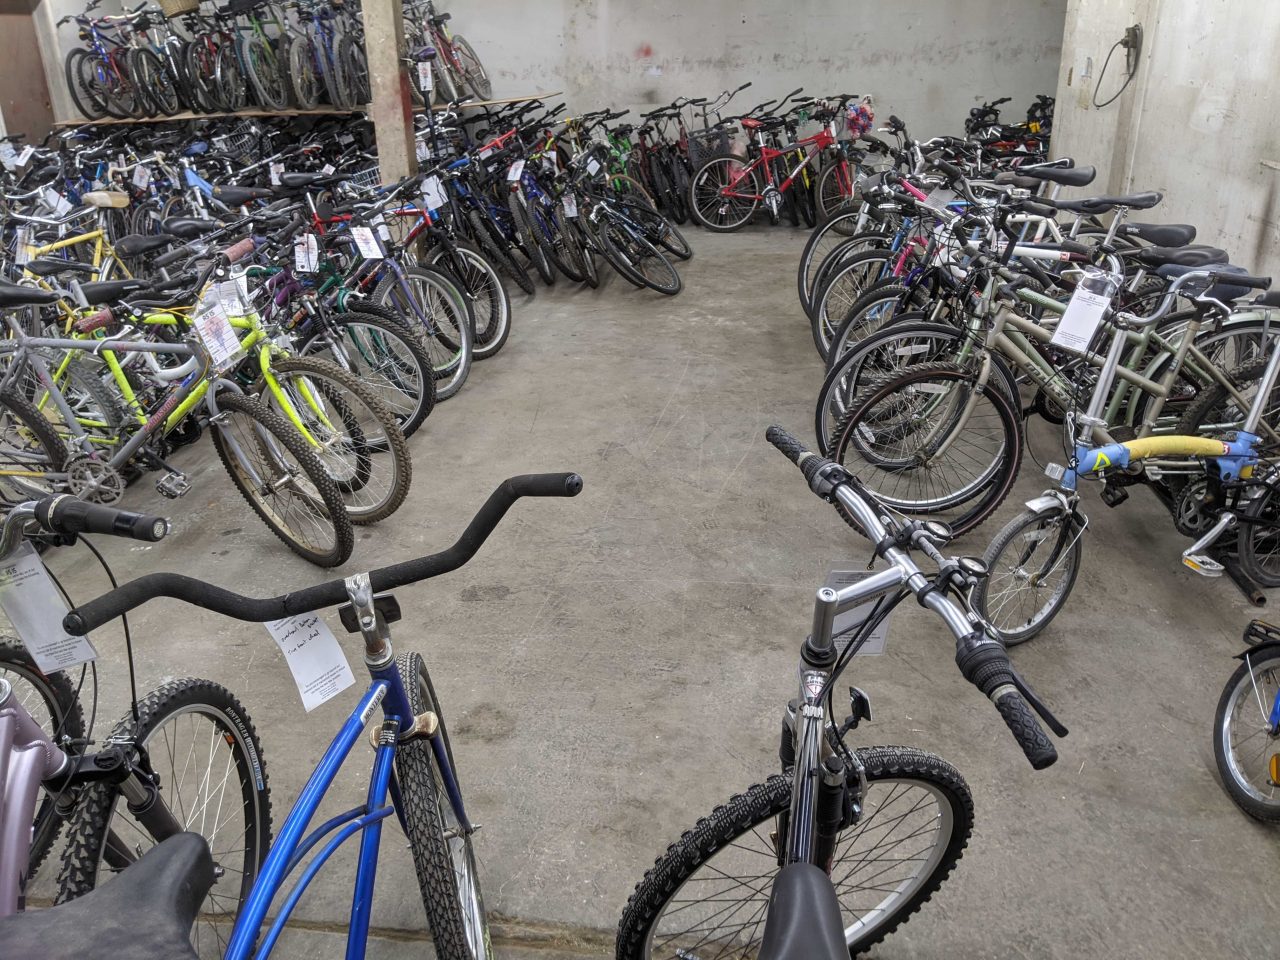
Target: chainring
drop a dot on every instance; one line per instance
(94, 481)
(1189, 513)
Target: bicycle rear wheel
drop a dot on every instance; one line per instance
(443, 857)
(476, 75)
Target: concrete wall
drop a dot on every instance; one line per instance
(1197, 122)
(24, 95)
(928, 62)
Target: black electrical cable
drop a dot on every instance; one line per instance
(128, 638)
(1103, 73)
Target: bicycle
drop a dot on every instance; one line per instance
(1246, 726)
(705, 896)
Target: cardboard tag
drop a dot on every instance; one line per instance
(593, 166)
(36, 608)
(433, 193)
(306, 254)
(367, 243)
(56, 202)
(514, 172)
(422, 150)
(570, 206)
(213, 325)
(1081, 321)
(318, 665)
(327, 169)
(424, 76)
(381, 228)
(23, 243)
(276, 169)
(847, 625)
(25, 155)
(141, 176)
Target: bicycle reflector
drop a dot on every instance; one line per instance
(1274, 769)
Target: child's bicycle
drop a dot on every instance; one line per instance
(1246, 727)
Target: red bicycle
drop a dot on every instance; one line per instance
(727, 190)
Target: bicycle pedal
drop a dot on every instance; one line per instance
(1203, 565)
(1113, 496)
(173, 485)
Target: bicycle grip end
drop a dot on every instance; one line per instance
(788, 445)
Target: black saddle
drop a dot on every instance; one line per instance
(1137, 201)
(144, 913)
(137, 243)
(804, 921)
(1160, 234)
(1198, 255)
(188, 228)
(12, 295)
(440, 18)
(51, 266)
(1068, 177)
(235, 196)
(109, 291)
(299, 181)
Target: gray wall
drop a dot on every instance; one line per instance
(1197, 122)
(926, 61)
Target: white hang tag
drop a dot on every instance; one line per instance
(8, 156)
(214, 327)
(25, 155)
(231, 294)
(327, 169)
(56, 202)
(516, 169)
(306, 254)
(1081, 321)
(549, 163)
(939, 198)
(486, 153)
(366, 243)
(315, 659)
(593, 166)
(120, 163)
(220, 142)
(380, 226)
(346, 139)
(141, 176)
(424, 75)
(276, 169)
(23, 252)
(35, 608)
(570, 205)
(848, 624)
(433, 193)
(422, 151)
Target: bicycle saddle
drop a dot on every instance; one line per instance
(440, 18)
(1198, 255)
(1137, 201)
(12, 295)
(51, 266)
(1160, 234)
(144, 913)
(296, 181)
(1073, 177)
(235, 196)
(188, 228)
(137, 243)
(109, 291)
(804, 921)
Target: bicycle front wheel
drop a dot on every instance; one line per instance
(1243, 740)
(724, 194)
(443, 857)
(428, 300)
(283, 481)
(708, 894)
(201, 746)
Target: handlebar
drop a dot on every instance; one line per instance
(981, 658)
(198, 593)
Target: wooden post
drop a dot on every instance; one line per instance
(391, 109)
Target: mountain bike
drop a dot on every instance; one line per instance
(887, 824)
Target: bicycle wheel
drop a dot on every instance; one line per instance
(355, 70)
(836, 188)
(1244, 743)
(657, 228)
(489, 301)
(29, 452)
(302, 72)
(473, 70)
(431, 301)
(283, 481)
(489, 238)
(52, 702)
(529, 240)
(447, 86)
(354, 435)
(78, 68)
(708, 894)
(201, 746)
(709, 203)
(933, 440)
(443, 857)
(151, 77)
(1034, 562)
(228, 78)
(638, 259)
(821, 242)
(1258, 543)
(263, 72)
(386, 357)
(844, 287)
(200, 67)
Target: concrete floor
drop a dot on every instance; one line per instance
(613, 666)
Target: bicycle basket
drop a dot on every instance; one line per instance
(241, 139)
(370, 177)
(703, 145)
(176, 8)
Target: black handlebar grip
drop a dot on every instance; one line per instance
(1040, 210)
(790, 447)
(743, 87)
(66, 514)
(1243, 280)
(546, 485)
(173, 256)
(950, 169)
(1025, 728)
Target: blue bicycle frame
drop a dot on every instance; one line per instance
(291, 846)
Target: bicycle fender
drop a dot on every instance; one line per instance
(1258, 648)
(1047, 501)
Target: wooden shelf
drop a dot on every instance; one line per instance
(319, 112)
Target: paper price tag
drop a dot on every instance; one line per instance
(367, 243)
(422, 150)
(346, 139)
(8, 156)
(514, 172)
(306, 254)
(939, 198)
(26, 155)
(214, 327)
(327, 169)
(593, 166)
(433, 193)
(1081, 321)
(318, 665)
(56, 202)
(849, 623)
(486, 153)
(23, 243)
(35, 608)
(141, 176)
(276, 169)
(424, 75)
(570, 205)
(381, 228)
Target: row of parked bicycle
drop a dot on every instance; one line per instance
(956, 300)
(157, 61)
